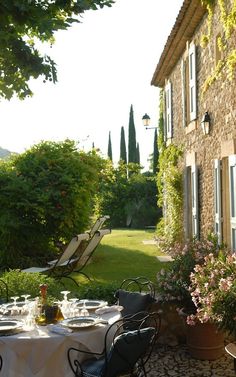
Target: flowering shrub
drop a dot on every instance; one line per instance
(213, 291)
(173, 283)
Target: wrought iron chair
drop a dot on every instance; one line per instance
(135, 295)
(4, 294)
(125, 352)
(1, 363)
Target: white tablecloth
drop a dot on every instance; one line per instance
(41, 353)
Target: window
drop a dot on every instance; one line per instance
(191, 202)
(189, 86)
(232, 189)
(192, 82)
(168, 110)
(217, 200)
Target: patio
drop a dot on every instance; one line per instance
(174, 361)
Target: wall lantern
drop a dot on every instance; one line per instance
(205, 123)
(146, 122)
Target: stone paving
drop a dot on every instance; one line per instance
(175, 361)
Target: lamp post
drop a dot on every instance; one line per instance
(146, 122)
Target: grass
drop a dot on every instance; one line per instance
(123, 254)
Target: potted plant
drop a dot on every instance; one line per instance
(213, 291)
(174, 287)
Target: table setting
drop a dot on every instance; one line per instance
(31, 346)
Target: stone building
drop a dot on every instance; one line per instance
(197, 82)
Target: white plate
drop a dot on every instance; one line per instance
(9, 325)
(77, 323)
(91, 304)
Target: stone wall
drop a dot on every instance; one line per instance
(220, 102)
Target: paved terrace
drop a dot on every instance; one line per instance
(174, 361)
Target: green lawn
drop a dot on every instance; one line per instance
(123, 254)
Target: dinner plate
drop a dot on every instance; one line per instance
(91, 304)
(9, 326)
(77, 323)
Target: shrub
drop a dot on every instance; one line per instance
(46, 195)
(20, 283)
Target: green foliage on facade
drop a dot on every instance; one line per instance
(170, 186)
(46, 195)
(155, 161)
(227, 64)
(25, 25)
(123, 152)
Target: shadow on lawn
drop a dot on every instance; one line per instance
(114, 264)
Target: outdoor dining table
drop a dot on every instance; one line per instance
(43, 353)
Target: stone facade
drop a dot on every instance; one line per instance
(220, 102)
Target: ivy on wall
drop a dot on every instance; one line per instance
(170, 186)
(228, 20)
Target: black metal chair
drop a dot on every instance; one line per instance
(125, 352)
(4, 294)
(135, 295)
(1, 363)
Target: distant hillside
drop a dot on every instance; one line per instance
(4, 153)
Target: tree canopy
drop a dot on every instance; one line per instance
(26, 24)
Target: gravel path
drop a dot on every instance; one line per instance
(167, 361)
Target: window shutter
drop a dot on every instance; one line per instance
(168, 108)
(195, 214)
(217, 200)
(232, 189)
(192, 82)
(183, 78)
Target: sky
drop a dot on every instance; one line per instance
(104, 64)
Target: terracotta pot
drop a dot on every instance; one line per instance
(205, 341)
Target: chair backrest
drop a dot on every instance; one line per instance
(91, 247)
(71, 248)
(128, 347)
(98, 224)
(135, 295)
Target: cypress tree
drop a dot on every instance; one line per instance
(123, 155)
(109, 150)
(132, 138)
(137, 154)
(155, 154)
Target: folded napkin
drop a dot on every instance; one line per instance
(108, 309)
(59, 329)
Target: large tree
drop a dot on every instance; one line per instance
(132, 149)
(123, 153)
(109, 149)
(24, 26)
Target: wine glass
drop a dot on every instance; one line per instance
(15, 308)
(26, 303)
(84, 311)
(74, 308)
(65, 304)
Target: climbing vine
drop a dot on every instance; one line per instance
(228, 21)
(169, 184)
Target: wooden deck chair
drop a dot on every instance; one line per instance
(61, 267)
(81, 261)
(98, 224)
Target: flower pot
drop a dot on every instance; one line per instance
(205, 341)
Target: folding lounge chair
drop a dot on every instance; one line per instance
(81, 261)
(98, 224)
(60, 267)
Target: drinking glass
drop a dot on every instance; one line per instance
(84, 311)
(26, 303)
(15, 309)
